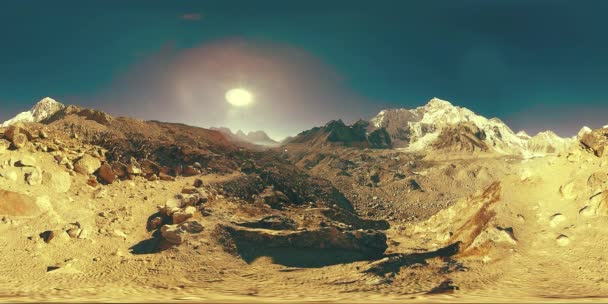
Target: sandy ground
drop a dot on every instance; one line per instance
(557, 251)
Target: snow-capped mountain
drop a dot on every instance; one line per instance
(44, 109)
(439, 120)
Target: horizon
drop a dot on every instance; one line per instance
(300, 65)
(347, 122)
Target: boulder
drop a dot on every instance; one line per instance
(60, 181)
(17, 136)
(188, 190)
(106, 174)
(183, 214)
(173, 234)
(192, 227)
(596, 141)
(87, 164)
(190, 171)
(149, 167)
(17, 204)
(120, 169)
(27, 161)
(154, 223)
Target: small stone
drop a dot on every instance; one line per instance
(190, 171)
(73, 232)
(47, 236)
(188, 190)
(198, 183)
(154, 223)
(165, 177)
(192, 227)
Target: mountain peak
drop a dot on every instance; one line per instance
(42, 110)
(438, 103)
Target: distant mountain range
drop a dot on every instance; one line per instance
(253, 137)
(438, 125)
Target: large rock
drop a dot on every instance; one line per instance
(17, 204)
(596, 141)
(176, 234)
(16, 137)
(87, 164)
(183, 214)
(60, 181)
(106, 174)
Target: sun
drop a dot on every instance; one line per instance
(239, 97)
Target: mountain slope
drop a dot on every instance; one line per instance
(336, 132)
(420, 128)
(44, 109)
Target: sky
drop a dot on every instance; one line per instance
(535, 64)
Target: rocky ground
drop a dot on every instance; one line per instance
(96, 208)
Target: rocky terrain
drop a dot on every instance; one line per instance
(432, 204)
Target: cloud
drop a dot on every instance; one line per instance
(293, 89)
(191, 16)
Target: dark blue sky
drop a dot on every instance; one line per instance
(535, 64)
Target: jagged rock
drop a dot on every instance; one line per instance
(192, 227)
(120, 169)
(16, 136)
(87, 164)
(183, 214)
(172, 233)
(106, 174)
(133, 169)
(154, 223)
(596, 141)
(149, 167)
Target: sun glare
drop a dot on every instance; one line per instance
(239, 97)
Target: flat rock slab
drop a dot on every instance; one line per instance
(17, 204)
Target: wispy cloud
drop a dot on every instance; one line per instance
(191, 17)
